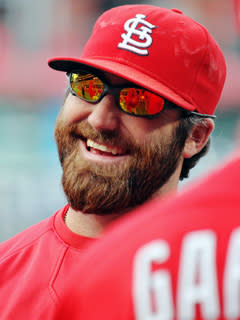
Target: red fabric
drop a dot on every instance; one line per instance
(176, 57)
(107, 272)
(34, 267)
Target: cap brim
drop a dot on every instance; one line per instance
(124, 71)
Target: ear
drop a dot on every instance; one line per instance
(198, 137)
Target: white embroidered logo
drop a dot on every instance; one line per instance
(143, 32)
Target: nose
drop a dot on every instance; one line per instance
(105, 115)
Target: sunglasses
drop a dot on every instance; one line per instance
(131, 99)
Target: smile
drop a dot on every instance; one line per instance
(95, 151)
(94, 146)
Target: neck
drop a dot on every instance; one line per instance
(88, 224)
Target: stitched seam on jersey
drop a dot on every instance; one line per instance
(26, 245)
(52, 291)
(65, 244)
(58, 236)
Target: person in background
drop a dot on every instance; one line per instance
(137, 116)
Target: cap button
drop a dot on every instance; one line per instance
(176, 10)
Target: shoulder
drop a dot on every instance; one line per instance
(29, 237)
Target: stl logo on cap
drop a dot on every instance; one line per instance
(143, 32)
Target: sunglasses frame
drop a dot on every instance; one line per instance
(116, 89)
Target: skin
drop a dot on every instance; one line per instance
(105, 116)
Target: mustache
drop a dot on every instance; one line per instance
(67, 137)
(85, 131)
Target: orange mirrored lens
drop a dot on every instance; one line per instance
(136, 101)
(86, 86)
(140, 102)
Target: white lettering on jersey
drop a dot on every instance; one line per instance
(149, 285)
(143, 33)
(231, 279)
(197, 277)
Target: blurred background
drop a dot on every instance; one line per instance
(31, 94)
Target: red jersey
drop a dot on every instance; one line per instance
(177, 259)
(34, 267)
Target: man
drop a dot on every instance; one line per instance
(137, 116)
(175, 259)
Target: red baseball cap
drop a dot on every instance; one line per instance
(159, 49)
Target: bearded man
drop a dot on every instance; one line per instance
(136, 117)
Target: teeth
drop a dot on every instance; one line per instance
(101, 147)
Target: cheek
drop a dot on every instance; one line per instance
(137, 133)
(74, 110)
(143, 129)
(147, 132)
(138, 128)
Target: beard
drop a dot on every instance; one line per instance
(113, 188)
